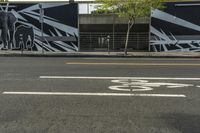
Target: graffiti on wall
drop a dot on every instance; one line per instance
(176, 28)
(37, 27)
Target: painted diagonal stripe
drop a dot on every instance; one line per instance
(95, 94)
(175, 20)
(111, 78)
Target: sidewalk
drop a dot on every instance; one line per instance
(101, 54)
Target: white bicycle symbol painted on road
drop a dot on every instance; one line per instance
(143, 85)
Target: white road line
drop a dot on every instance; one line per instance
(146, 59)
(111, 78)
(132, 64)
(95, 94)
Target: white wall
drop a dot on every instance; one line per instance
(86, 8)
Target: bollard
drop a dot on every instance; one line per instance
(108, 42)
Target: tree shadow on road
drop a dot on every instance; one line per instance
(185, 123)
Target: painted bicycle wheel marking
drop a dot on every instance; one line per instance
(143, 85)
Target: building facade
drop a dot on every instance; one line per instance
(94, 30)
(40, 27)
(176, 28)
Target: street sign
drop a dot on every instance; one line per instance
(41, 19)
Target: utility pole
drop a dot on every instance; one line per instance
(42, 25)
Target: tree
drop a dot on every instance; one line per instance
(130, 9)
(3, 0)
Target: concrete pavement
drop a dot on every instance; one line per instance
(102, 54)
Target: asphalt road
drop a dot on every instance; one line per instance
(99, 95)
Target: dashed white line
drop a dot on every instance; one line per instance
(95, 94)
(132, 64)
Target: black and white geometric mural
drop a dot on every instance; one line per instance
(176, 28)
(51, 27)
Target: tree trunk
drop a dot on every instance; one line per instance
(126, 44)
(130, 25)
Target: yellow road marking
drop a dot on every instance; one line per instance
(132, 64)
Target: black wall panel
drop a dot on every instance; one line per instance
(39, 26)
(176, 28)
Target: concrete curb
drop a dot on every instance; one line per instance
(102, 55)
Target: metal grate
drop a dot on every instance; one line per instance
(97, 41)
